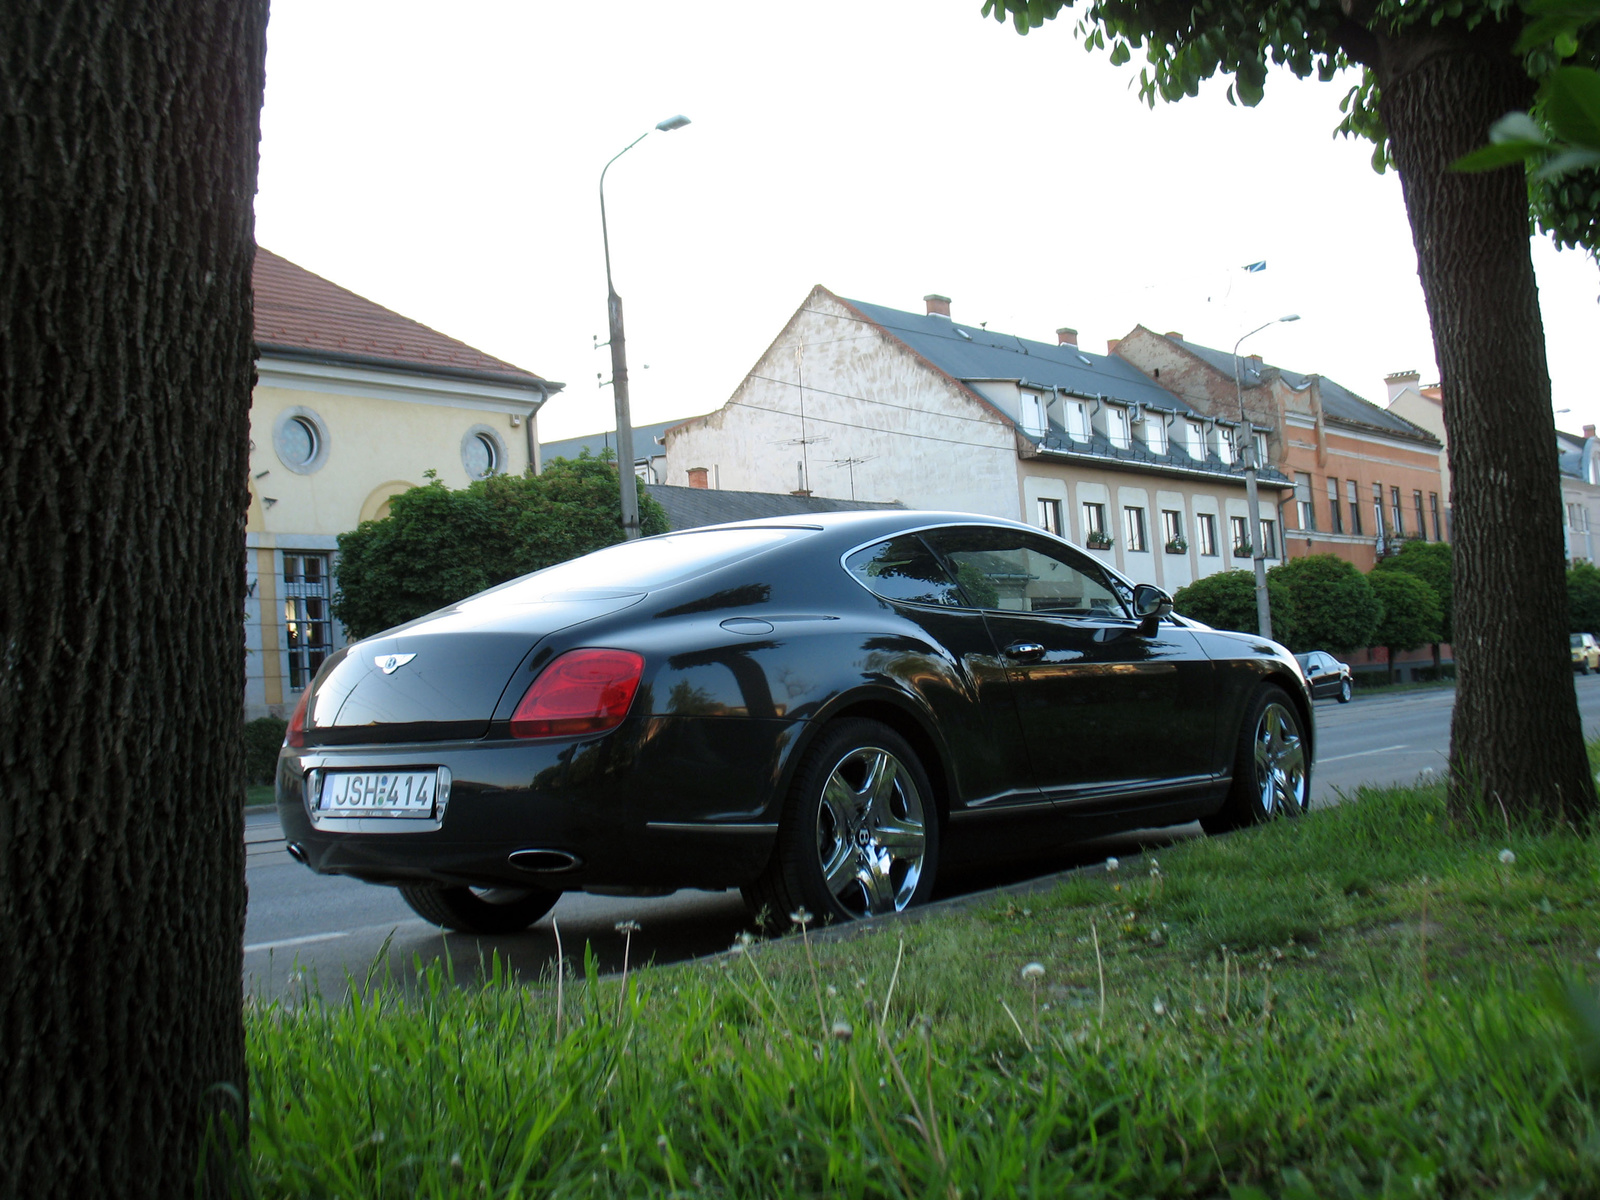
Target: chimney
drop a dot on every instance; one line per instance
(1588, 431)
(1400, 381)
(1067, 337)
(1175, 335)
(938, 306)
(697, 477)
(1256, 358)
(1112, 344)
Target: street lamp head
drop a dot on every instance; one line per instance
(671, 123)
(1290, 317)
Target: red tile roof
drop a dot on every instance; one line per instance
(305, 314)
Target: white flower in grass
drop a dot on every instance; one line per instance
(1507, 857)
(1159, 1007)
(842, 1031)
(800, 917)
(1112, 864)
(833, 992)
(1033, 970)
(626, 927)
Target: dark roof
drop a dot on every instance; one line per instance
(1569, 453)
(644, 442)
(690, 508)
(305, 315)
(1338, 401)
(970, 352)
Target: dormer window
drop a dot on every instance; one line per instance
(1075, 414)
(1194, 439)
(1033, 413)
(1155, 434)
(1259, 440)
(1117, 426)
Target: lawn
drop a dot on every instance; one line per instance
(1362, 1002)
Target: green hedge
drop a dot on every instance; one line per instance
(263, 738)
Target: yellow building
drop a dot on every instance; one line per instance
(353, 405)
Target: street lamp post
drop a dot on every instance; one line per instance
(1248, 454)
(619, 357)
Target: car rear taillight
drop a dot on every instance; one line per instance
(296, 734)
(582, 691)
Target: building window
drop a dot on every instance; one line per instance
(1195, 437)
(300, 437)
(1050, 516)
(1259, 441)
(1155, 434)
(1335, 514)
(1352, 497)
(1377, 511)
(1033, 418)
(483, 453)
(1398, 511)
(308, 626)
(1239, 535)
(1172, 530)
(1133, 530)
(1269, 539)
(1305, 511)
(1094, 524)
(1433, 511)
(1205, 531)
(1077, 414)
(1117, 426)
(1422, 525)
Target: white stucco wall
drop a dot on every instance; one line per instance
(917, 437)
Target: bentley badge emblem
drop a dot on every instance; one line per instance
(390, 663)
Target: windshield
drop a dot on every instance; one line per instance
(641, 566)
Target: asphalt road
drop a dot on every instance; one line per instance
(304, 928)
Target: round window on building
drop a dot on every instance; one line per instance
(483, 453)
(301, 439)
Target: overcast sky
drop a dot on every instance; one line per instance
(443, 160)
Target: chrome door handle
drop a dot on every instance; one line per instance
(1026, 651)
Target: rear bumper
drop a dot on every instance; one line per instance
(662, 802)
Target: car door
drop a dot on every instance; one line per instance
(972, 702)
(1107, 709)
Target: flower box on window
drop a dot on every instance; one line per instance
(1177, 546)
(1098, 541)
(1243, 550)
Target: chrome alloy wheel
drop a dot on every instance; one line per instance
(1280, 757)
(871, 833)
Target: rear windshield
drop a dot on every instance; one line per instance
(644, 565)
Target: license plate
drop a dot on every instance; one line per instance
(378, 793)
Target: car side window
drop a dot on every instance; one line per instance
(904, 569)
(1017, 572)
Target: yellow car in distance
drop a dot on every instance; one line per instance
(1585, 653)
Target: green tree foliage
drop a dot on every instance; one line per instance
(1227, 600)
(1335, 607)
(438, 546)
(1432, 563)
(1583, 597)
(1410, 613)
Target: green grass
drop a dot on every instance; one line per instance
(1359, 1003)
(258, 793)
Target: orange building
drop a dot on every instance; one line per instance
(1364, 477)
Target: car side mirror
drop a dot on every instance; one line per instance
(1150, 604)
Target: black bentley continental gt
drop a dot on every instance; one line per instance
(818, 710)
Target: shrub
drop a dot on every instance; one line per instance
(1335, 607)
(263, 738)
(1227, 600)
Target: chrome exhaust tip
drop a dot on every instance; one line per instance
(298, 853)
(546, 861)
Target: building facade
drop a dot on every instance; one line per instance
(353, 404)
(859, 401)
(1364, 478)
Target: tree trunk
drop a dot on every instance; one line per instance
(128, 132)
(1515, 738)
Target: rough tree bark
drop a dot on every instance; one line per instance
(128, 133)
(1515, 739)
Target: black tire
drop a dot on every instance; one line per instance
(859, 834)
(1583, 667)
(479, 910)
(1271, 775)
(1344, 692)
